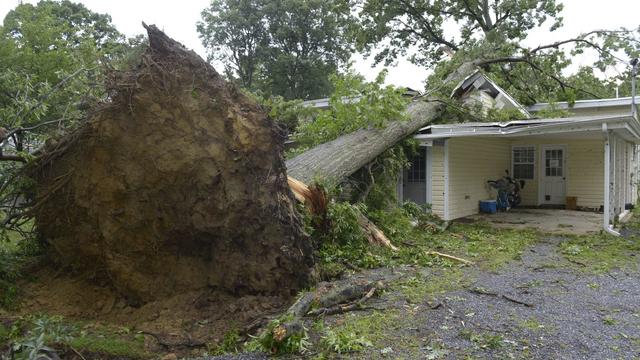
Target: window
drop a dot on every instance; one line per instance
(553, 162)
(418, 170)
(523, 160)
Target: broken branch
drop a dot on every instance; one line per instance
(451, 257)
(340, 309)
(506, 297)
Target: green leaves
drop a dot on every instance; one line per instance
(282, 48)
(389, 28)
(355, 104)
(44, 47)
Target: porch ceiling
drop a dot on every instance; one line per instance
(554, 221)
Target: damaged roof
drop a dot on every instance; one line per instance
(625, 124)
(478, 81)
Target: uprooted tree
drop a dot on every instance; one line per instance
(176, 183)
(179, 177)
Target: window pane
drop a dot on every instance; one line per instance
(417, 171)
(523, 162)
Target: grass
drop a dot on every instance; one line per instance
(601, 253)
(109, 345)
(482, 340)
(58, 333)
(532, 324)
(488, 247)
(372, 333)
(419, 288)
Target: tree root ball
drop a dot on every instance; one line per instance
(176, 183)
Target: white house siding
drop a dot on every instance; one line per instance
(473, 161)
(437, 180)
(585, 170)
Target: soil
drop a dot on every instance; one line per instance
(185, 323)
(175, 185)
(168, 210)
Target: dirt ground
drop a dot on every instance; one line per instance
(541, 306)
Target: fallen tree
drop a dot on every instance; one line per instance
(177, 183)
(336, 160)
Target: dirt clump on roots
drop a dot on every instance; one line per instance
(173, 195)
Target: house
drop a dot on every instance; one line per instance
(591, 155)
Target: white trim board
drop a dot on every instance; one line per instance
(429, 175)
(446, 179)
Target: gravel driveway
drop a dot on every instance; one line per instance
(572, 314)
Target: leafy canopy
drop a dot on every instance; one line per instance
(490, 34)
(51, 56)
(354, 104)
(279, 47)
(395, 26)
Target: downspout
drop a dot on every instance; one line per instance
(634, 73)
(607, 178)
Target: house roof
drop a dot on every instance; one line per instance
(481, 82)
(324, 102)
(625, 125)
(586, 104)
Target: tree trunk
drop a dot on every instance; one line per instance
(334, 161)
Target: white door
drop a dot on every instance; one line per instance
(553, 174)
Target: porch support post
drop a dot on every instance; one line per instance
(446, 180)
(607, 178)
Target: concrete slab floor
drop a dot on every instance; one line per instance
(554, 221)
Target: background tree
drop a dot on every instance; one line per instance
(235, 33)
(52, 53)
(53, 57)
(490, 34)
(282, 48)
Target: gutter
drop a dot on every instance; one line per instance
(534, 129)
(607, 227)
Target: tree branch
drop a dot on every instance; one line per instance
(534, 66)
(44, 97)
(16, 158)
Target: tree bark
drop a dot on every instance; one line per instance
(336, 160)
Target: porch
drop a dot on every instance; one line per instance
(593, 160)
(550, 221)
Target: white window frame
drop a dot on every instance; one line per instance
(535, 158)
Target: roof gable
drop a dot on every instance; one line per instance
(479, 87)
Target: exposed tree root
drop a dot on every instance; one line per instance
(328, 299)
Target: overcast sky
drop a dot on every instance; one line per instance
(178, 19)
